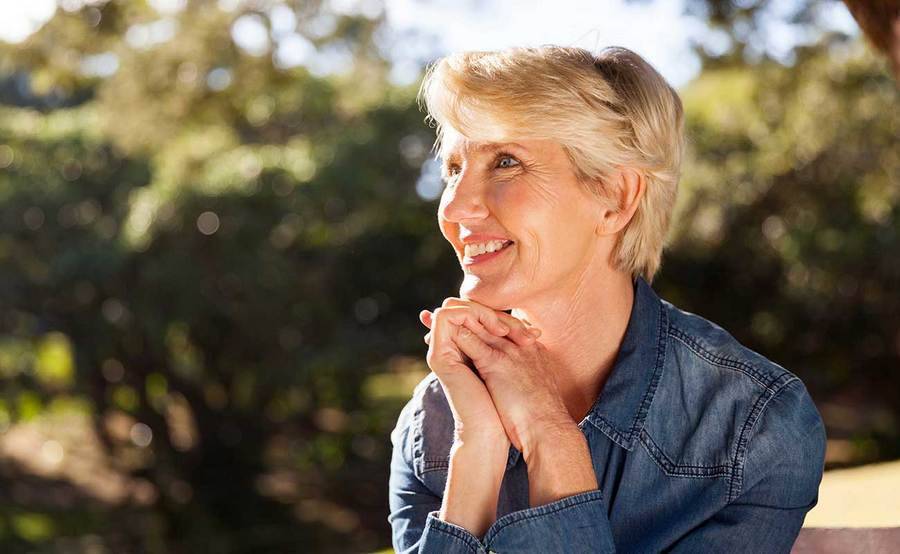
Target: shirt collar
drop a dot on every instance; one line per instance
(620, 410)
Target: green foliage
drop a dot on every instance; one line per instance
(217, 271)
(788, 222)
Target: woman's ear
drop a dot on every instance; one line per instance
(628, 188)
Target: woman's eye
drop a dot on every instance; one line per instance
(501, 162)
(450, 174)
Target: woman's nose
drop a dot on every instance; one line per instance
(464, 200)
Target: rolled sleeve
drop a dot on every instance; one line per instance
(443, 536)
(573, 524)
(577, 523)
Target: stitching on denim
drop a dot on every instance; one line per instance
(547, 509)
(611, 432)
(662, 330)
(418, 424)
(721, 361)
(434, 465)
(628, 441)
(673, 469)
(737, 481)
(417, 451)
(446, 528)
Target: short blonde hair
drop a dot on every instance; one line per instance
(607, 111)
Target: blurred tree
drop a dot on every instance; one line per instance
(221, 238)
(745, 24)
(788, 221)
(806, 143)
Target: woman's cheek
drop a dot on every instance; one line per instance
(511, 196)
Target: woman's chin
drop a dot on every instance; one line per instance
(477, 290)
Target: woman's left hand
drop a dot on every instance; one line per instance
(518, 373)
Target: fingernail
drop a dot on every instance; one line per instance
(535, 332)
(504, 328)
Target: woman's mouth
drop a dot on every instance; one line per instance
(482, 253)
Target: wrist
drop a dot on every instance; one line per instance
(473, 485)
(560, 465)
(491, 453)
(489, 440)
(548, 430)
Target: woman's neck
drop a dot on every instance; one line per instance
(582, 326)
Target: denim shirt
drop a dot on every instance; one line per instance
(699, 444)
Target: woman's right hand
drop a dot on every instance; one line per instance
(480, 447)
(473, 409)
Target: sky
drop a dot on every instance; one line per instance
(421, 30)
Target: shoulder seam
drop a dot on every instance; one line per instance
(723, 361)
(756, 413)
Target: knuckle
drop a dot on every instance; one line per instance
(451, 301)
(501, 349)
(495, 356)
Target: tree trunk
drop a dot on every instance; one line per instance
(880, 22)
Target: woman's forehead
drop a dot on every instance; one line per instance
(474, 147)
(458, 146)
(454, 144)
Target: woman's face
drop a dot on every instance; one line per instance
(526, 195)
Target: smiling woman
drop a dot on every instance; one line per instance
(569, 408)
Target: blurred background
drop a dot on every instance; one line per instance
(218, 227)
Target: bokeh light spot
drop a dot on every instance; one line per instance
(141, 435)
(208, 223)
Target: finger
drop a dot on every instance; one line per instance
(500, 343)
(426, 318)
(443, 353)
(520, 333)
(447, 321)
(516, 330)
(474, 347)
(457, 316)
(489, 317)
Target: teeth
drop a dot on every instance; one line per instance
(473, 250)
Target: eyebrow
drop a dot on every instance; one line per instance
(482, 148)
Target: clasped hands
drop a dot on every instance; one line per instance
(514, 392)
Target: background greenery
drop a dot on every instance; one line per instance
(211, 268)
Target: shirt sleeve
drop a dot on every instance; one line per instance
(576, 523)
(573, 524)
(413, 506)
(781, 476)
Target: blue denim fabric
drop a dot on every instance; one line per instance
(699, 444)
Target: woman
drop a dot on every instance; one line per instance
(570, 409)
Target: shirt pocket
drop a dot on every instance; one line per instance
(674, 463)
